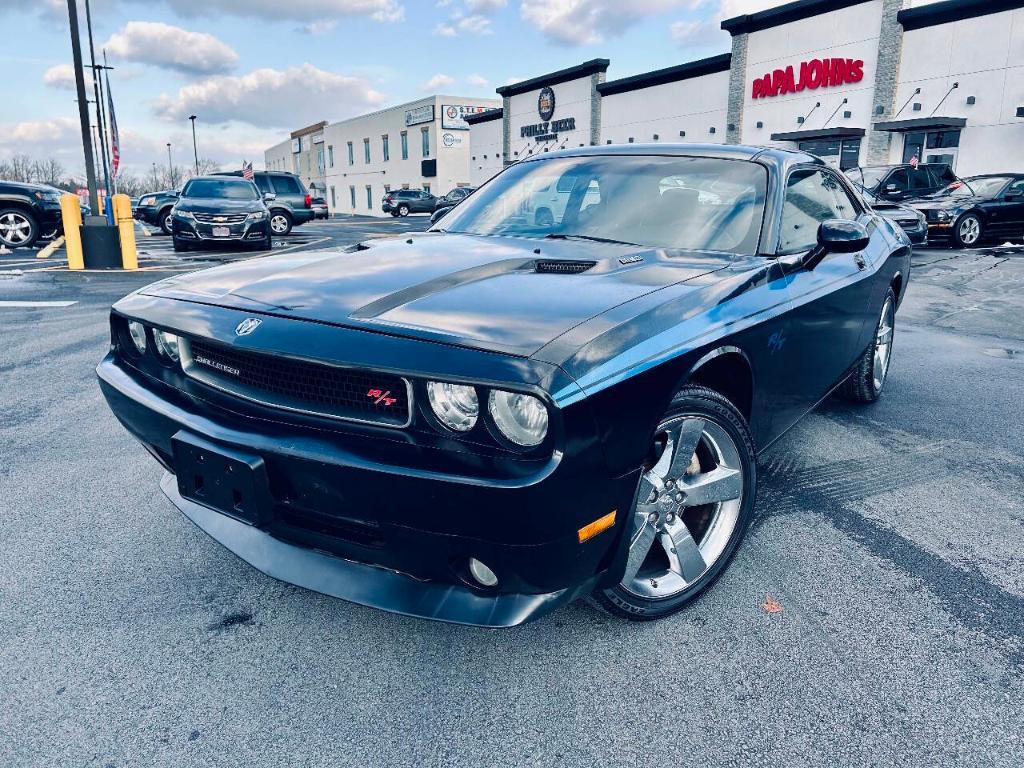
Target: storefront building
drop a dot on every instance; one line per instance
(856, 82)
(423, 144)
(303, 155)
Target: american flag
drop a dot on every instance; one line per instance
(115, 140)
(247, 170)
(914, 161)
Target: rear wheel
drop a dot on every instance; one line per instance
(18, 228)
(693, 507)
(280, 222)
(967, 231)
(866, 382)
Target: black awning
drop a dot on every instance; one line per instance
(819, 133)
(922, 124)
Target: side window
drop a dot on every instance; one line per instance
(920, 180)
(263, 182)
(812, 196)
(286, 185)
(898, 181)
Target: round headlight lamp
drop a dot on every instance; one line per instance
(137, 332)
(166, 344)
(455, 405)
(523, 419)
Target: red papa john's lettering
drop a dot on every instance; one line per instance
(816, 73)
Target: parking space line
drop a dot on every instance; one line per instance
(37, 303)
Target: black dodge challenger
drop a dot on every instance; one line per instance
(482, 422)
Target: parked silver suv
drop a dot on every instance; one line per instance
(292, 204)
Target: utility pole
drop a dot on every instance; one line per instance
(194, 150)
(170, 167)
(99, 102)
(83, 106)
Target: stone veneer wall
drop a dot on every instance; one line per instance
(595, 108)
(890, 46)
(737, 90)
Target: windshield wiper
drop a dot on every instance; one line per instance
(591, 238)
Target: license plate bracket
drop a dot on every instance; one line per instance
(224, 479)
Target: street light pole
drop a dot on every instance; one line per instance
(170, 166)
(83, 106)
(194, 150)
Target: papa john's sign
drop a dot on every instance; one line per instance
(816, 73)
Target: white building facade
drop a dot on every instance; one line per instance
(856, 82)
(422, 144)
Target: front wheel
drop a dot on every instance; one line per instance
(967, 231)
(280, 223)
(17, 228)
(165, 220)
(693, 506)
(868, 378)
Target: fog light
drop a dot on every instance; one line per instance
(138, 333)
(482, 573)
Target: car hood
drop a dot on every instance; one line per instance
(894, 211)
(501, 294)
(944, 203)
(218, 205)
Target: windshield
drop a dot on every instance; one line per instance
(693, 203)
(984, 186)
(223, 188)
(868, 177)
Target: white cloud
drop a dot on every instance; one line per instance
(478, 81)
(272, 98)
(445, 30)
(42, 131)
(474, 24)
(586, 22)
(686, 32)
(291, 10)
(62, 76)
(484, 6)
(438, 82)
(163, 45)
(317, 28)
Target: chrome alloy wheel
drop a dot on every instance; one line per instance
(883, 344)
(15, 229)
(279, 223)
(687, 508)
(969, 230)
(168, 223)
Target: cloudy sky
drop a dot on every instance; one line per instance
(254, 69)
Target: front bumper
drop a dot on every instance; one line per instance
(147, 214)
(194, 232)
(346, 523)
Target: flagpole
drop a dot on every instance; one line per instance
(83, 106)
(99, 103)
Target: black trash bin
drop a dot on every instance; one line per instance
(101, 244)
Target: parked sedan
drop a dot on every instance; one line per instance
(449, 201)
(977, 209)
(402, 202)
(320, 209)
(911, 221)
(480, 425)
(220, 209)
(155, 208)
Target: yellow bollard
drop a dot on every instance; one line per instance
(71, 217)
(126, 227)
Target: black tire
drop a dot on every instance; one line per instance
(711, 408)
(403, 210)
(180, 247)
(164, 219)
(280, 222)
(866, 382)
(968, 231)
(18, 228)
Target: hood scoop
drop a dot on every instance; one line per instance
(562, 267)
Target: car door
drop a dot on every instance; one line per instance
(831, 303)
(1005, 211)
(427, 202)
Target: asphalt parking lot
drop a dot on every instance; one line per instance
(874, 616)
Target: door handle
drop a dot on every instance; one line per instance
(860, 261)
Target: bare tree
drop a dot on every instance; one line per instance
(17, 168)
(49, 171)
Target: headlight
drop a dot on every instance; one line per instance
(52, 197)
(941, 215)
(138, 333)
(166, 344)
(257, 216)
(183, 214)
(455, 405)
(523, 419)
(147, 201)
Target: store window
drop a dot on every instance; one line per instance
(334, 201)
(352, 194)
(405, 145)
(385, 148)
(369, 197)
(351, 154)
(330, 154)
(366, 151)
(932, 146)
(425, 134)
(320, 158)
(426, 188)
(811, 198)
(839, 153)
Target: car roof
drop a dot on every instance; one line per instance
(722, 151)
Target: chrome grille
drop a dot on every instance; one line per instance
(302, 386)
(220, 218)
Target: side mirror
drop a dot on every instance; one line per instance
(836, 236)
(438, 215)
(268, 196)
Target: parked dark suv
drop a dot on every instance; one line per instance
(292, 206)
(402, 202)
(27, 211)
(155, 208)
(901, 182)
